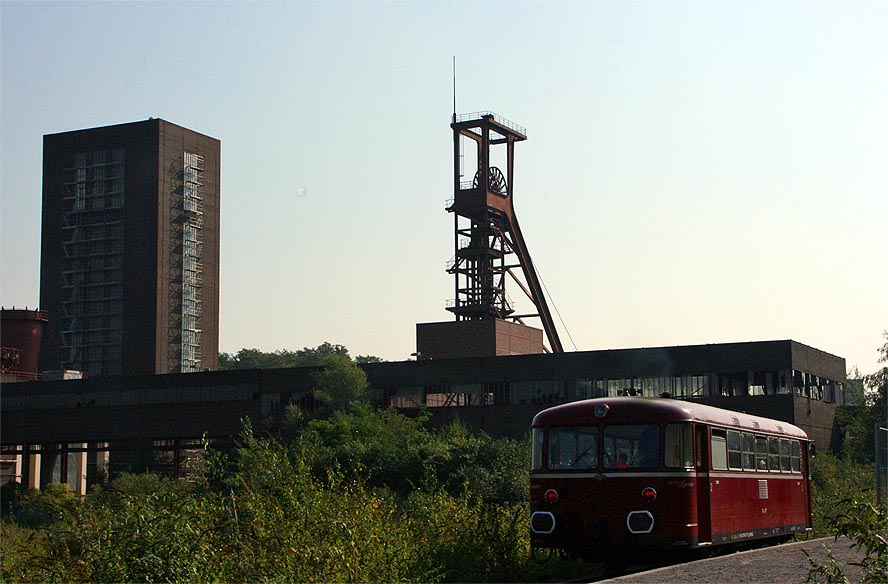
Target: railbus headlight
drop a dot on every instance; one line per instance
(649, 494)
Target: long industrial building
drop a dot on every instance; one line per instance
(59, 430)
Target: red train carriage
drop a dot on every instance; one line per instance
(610, 476)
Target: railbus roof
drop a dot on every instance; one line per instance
(636, 410)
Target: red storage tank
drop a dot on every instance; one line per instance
(22, 330)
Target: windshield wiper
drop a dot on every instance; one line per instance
(582, 454)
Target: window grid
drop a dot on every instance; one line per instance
(92, 261)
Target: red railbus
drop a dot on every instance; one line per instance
(611, 476)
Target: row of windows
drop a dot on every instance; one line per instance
(733, 450)
(79, 337)
(98, 231)
(93, 277)
(111, 291)
(95, 247)
(94, 173)
(97, 359)
(91, 307)
(92, 263)
(638, 447)
(102, 217)
(550, 392)
(131, 397)
(98, 203)
(86, 159)
(95, 188)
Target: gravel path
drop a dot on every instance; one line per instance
(781, 564)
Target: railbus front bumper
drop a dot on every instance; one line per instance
(601, 537)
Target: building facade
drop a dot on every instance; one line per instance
(51, 427)
(129, 272)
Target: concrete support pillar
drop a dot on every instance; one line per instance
(32, 452)
(18, 468)
(76, 478)
(103, 459)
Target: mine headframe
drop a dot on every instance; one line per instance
(488, 245)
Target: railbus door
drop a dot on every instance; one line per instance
(806, 480)
(704, 517)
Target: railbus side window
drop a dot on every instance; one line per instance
(774, 454)
(748, 451)
(795, 456)
(679, 446)
(719, 448)
(784, 455)
(734, 450)
(573, 448)
(761, 453)
(536, 457)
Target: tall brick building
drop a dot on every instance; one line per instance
(129, 268)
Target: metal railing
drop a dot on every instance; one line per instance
(499, 119)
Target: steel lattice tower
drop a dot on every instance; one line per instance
(488, 245)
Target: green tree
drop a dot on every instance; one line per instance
(856, 422)
(381, 447)
(855, 390)
(306, 357)
(341, 384)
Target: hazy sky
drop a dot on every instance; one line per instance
(695, 172)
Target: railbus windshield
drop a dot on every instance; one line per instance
(573, 448)
(636, 446)
(608, 447)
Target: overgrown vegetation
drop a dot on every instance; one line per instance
(343, 494)
(347, 493)
(844, 486)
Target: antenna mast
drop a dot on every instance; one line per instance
(454, 90)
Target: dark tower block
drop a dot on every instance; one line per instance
(489, 250)
(129, 270)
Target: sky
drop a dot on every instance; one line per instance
(695, 172)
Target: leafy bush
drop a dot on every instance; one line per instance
(866, 525)
(835, 480)
(292, 526)
(844, 505)
(482, 468)
(471, 541)
(383, 448)
(34, 509)
(387, 449)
